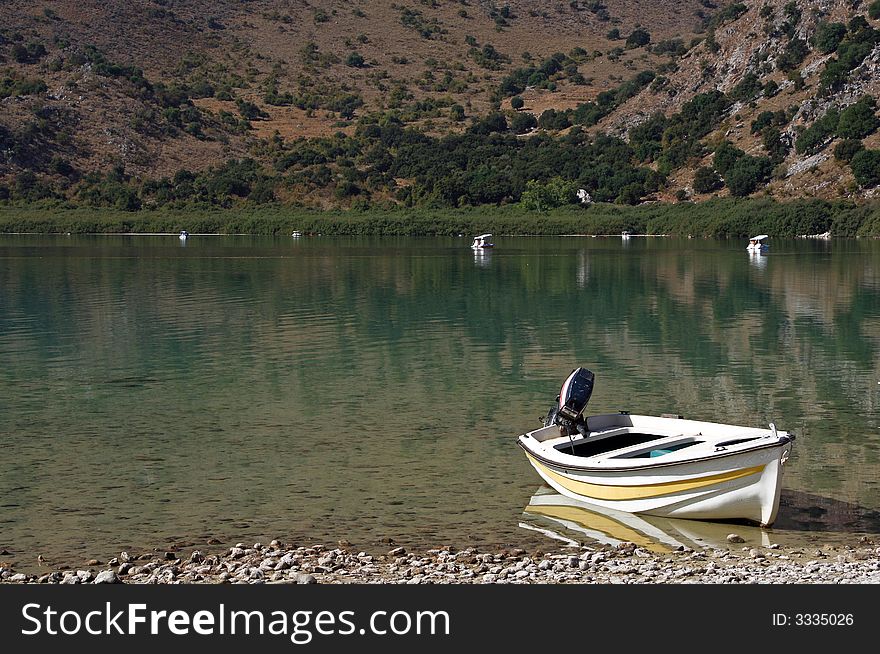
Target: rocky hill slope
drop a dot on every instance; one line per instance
(328, 103)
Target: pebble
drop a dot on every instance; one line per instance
(626, 563)
(107, 577)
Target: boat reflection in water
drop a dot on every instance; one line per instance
(578, 523)
(482, 257)
(758, 258)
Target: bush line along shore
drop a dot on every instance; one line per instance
(625, 563)
(734, 218)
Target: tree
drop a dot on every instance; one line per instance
(726, 155)
(828, 36)
(494, 122)
(747, 173)
(866, 168)
(874, 10)
(793, 55)
(249, 110)
(858, 120)
(638, 38)
(456, 112)
(516, 102)
(522, 123)
(847, 149)
(554, 120)
(630, 194)
(706, 180)
(355, 60)
(557, 192)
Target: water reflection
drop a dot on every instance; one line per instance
(568, 520)
(758, 258)
(244, 359)
(482, 257)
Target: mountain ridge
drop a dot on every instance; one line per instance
(324, 104)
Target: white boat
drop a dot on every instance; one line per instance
(296, 234)
(482, 241)
(757, 243)
(662, 466)
(625, 234)
(183, 235)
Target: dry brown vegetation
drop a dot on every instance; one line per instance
(418, 57)
(244, 44)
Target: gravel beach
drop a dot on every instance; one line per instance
(625, 563)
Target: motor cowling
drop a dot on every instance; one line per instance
(568, 412)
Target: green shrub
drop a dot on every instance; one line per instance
(355, 60)
(726, 155)
(522, 123)
(18, 86)
(249, 110)
(858, 120)
(828, 36)
(768, 119)
(494, 122)
(747, 89)
(874, 10)
(638, 38)
(517, 102)
(747, 174)
(706, 180)
(795, 52)
(556, 192)
(28, 54)
(815, 137)
(866, 168)
(554, 120)
(847, 149)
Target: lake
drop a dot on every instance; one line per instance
(159, 393)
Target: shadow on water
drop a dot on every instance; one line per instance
(800, 511)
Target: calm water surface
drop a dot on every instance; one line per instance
(154, 393)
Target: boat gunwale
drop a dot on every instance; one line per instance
(781, 441)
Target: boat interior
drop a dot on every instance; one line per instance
(627, 444)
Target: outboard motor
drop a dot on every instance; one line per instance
(568, 413)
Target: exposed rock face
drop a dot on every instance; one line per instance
(753, 44)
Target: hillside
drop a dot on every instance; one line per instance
(796, 60)
(433, 103)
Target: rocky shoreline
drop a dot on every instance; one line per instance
(625, 563)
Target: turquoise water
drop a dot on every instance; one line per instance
(159, 393)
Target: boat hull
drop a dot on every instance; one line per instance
(741, 486)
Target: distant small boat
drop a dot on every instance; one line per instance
(625, 234)
(823, 236)
(296, 234)
(757, 244)
(482, 241)
(183, 234)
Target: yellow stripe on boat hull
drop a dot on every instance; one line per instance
(615, 492)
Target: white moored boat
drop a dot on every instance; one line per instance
(757, 243)
(663, 466)
(482, 241)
